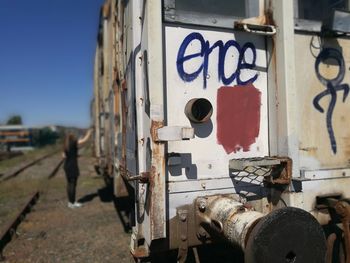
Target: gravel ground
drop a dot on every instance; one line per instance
(52, 232)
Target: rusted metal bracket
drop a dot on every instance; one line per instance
(343, 209)
(282, 173)
(182, 214)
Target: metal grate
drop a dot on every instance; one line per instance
(254, 170)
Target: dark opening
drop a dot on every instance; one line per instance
(291, 257)
(216, 225)
(199, 110)
(140, 242)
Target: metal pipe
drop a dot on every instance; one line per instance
(229, 218)
(279, 236)
(198, 110)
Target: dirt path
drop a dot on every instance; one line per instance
(52, 232)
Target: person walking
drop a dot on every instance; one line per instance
(71, 168)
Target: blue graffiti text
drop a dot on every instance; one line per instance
(204, 54)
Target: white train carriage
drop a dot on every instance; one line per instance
(228, 118)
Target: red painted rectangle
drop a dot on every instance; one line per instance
(238, 117)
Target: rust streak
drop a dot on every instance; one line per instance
(154, 126)
(140, 252)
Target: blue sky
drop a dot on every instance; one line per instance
(46, 60)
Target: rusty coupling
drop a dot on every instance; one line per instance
(279, 236)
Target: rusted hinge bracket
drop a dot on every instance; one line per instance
(182, 215)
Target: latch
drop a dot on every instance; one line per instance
(174, 133)
(142, 177)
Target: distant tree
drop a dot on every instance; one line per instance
(44, 137)
(14, 120)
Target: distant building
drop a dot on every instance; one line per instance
(15, 138)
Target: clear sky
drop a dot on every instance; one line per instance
(46, 60)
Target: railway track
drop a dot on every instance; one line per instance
(15, 173)
(10, 230)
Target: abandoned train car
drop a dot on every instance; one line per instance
(230, 119)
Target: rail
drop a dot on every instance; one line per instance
(10, 230)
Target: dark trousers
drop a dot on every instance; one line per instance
(71, 186)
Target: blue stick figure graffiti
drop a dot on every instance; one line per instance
(332, 87)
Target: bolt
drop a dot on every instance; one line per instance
(242, 199)
(182, 216)
(183, 238)
(241, 209)
(202, 204)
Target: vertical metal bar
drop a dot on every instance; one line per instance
(154, 47)
(287, 112)
(196, 256)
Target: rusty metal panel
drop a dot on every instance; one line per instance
(322, 79)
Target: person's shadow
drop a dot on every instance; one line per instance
(122, 206)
